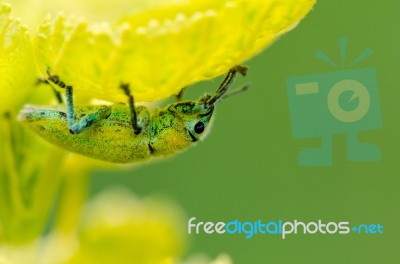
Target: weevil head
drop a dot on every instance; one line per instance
(184, 123)
(180, 125)
(196, 117)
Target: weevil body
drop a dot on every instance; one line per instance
(122, 134)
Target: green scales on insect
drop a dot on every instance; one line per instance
(122, 134)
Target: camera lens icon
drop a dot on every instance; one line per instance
(358, 91)
(332, 103)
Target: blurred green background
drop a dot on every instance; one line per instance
(247, 167)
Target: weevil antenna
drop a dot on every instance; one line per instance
(226, 84)
(238, 91)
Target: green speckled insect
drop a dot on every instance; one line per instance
(122, 134)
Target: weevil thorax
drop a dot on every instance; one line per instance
(180, 125)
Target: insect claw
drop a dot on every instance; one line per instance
(125, 87)
(179, 96)
(54, 79)
(41, 80)
(240, 69)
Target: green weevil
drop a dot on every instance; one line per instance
(123, 133)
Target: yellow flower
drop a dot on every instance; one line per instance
(4, 261)
(117, 227)
(29, 174)
(156, 46)
(17, 64)
(161, 50)
(202, 259)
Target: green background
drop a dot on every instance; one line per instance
(247, 167)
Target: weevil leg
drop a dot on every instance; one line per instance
(136, 128)
(226, 84)
(75, 127)
(179, 96)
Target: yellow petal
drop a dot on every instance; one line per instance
(168, 260)
(119, 228)
(92, 10)
(160, 50)
(4, 261)
(203, 259)
(17, 65)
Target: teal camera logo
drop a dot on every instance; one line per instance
(338, 102)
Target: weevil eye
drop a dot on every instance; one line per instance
(199, 127)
